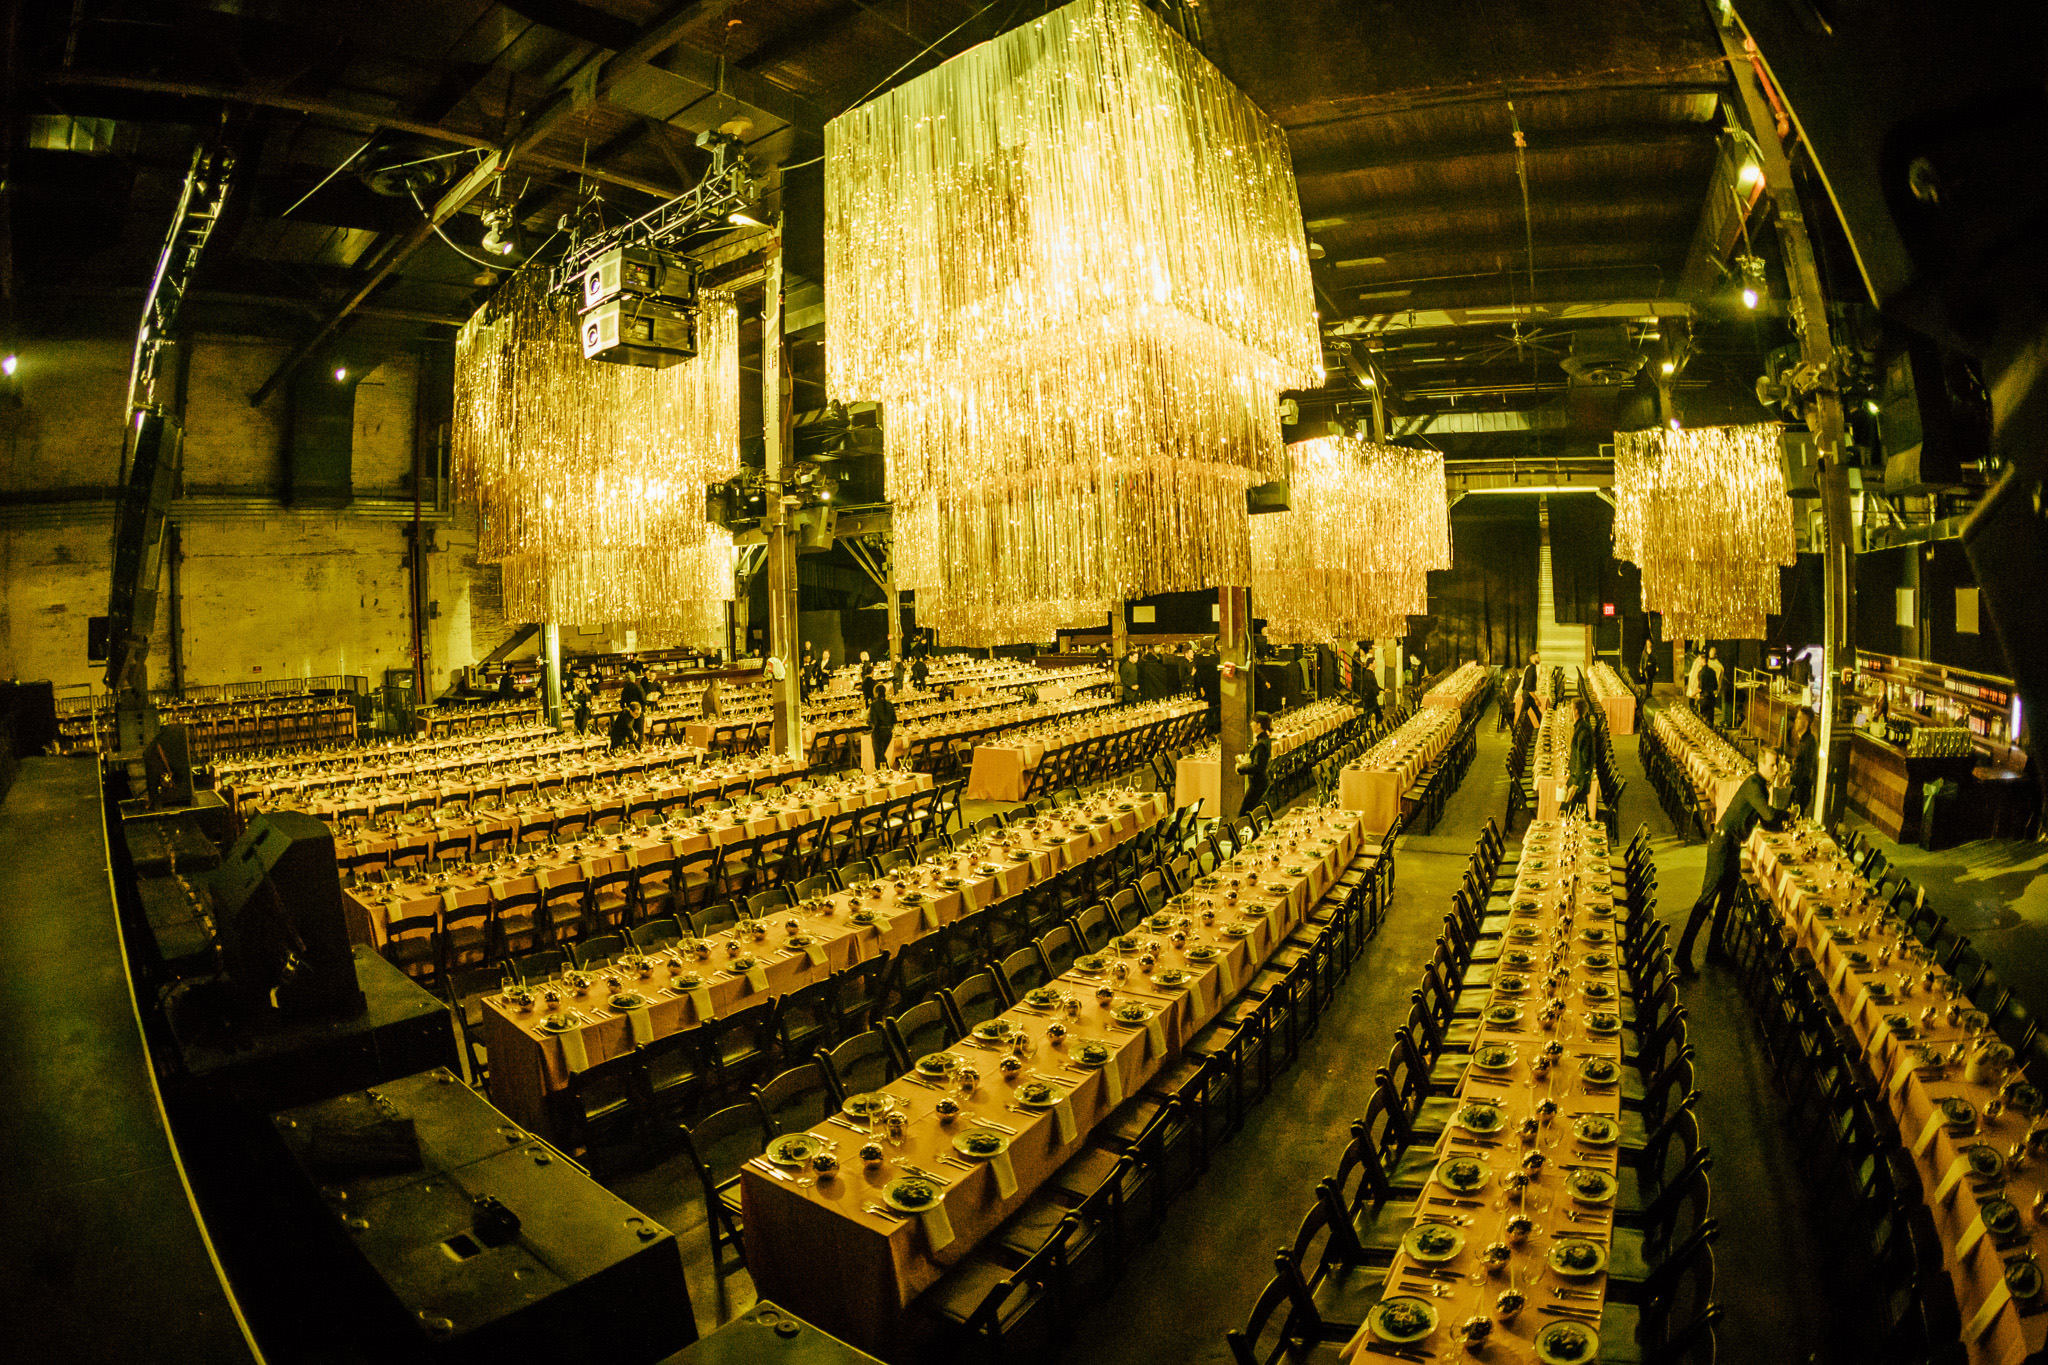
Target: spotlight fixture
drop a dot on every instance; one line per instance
(741, 218)
(1668, 367)
(1674, 424)
(1752, 279)
(1748, 175)
(1749, 298)
(501, 234)
(9, 365)
(340, 373)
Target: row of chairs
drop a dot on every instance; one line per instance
(1101, 757)
(1881, 1247)
(1659, 1305)
(958, 957)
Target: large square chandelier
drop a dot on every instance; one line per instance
(1071, 266)
(1703, 511)
(1351, 558)
(590, 477)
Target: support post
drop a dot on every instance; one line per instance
(551, 670)
(1119, 635)
(1240, 691)
(893, 600)
(782, 586)
(1821, 404)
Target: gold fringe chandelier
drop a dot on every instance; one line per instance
(1703, 512)
(1070, 263)
(1351, 559)
(591, 476)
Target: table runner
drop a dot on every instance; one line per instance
(1824, 906)
(813, 1249)
(1563, 893)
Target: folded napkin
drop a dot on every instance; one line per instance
(1063, 1115)
(938, 1229)
(757, 977)
(816, 953)
(573, 1051)
(700, 1002)
(1936, 1121)
(1972, 1235)
(1006, 1173)
(1952, 1181)
(928, 915)
(1113, 1077)
(1155, 1029)
(642, 1025)
(1980, 1322)
(1227, 973)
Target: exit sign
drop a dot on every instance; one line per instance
(1607, 608)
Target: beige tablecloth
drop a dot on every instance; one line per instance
(813, 1250)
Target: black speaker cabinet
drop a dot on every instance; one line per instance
(482, 1242)
(277, 909)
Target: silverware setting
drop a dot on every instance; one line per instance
(883, 1211)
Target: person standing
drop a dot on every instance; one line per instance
(919, 671)
(1749, 807)
(1127, 678)
(635, 689)
(1805, 749)
(713, 708)
(579, 699)
(1722, 692)
(1255, 761)
(626, 731)
(1525, 700)
(1646, 671)
(1368, 685)
(881, 725)
(1581, 761)
(1209, 682)
(1693, 669)
(1183, 669)
(1709, 699)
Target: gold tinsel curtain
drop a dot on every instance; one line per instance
(1070, 263)
(1703, 512)
(1351, 559)
(591, 476)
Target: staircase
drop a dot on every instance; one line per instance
(1565, 646)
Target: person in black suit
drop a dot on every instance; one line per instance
(1183, 669)
(1646, 673)
(1155, 676)
(1127, 678)
(1805, 761)
(635, 690)
(919, 671)
(1581, 757)
(1750, 806)
(1209, 681)
(1366, 684)
(628, 730)
(1255, 761)
(1526, 699)
(881, 725)
(1710, 700)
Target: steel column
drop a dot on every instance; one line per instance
(782, 585)
(1240, 689)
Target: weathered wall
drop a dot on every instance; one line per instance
(262, 592)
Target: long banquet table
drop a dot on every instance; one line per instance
(1561, 919)
(1550, 763)
(370, 906)
(1375, 784)
(1001, 772)
(1907, 1036)
(1614, 697)
(1458, 691)
(1709, 763)
(813, 1249)
(529, 1061)
(1199, 777)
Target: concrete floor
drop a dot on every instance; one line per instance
(1199, 1276)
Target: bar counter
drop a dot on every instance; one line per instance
(1887, 788)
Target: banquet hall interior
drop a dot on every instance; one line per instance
(1112, 682)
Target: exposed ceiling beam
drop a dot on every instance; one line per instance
(1608, 199)
(588, 85)
(367, 120)
(1649, 139)
(1418, 320)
